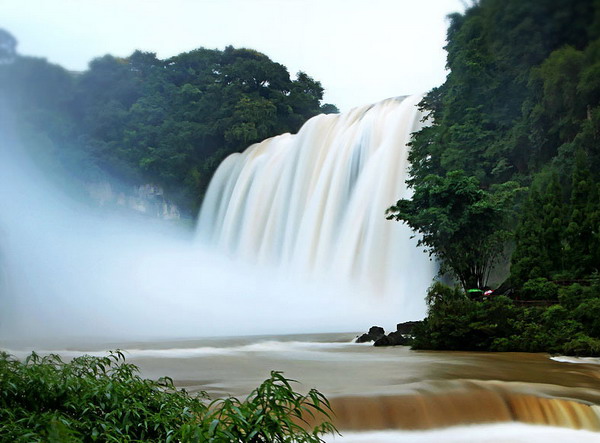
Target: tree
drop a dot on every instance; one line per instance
(328, 108)
(252, 120)
(581, 234)
(528, 112)
(463, 225)
(168, 122)
(539, 250)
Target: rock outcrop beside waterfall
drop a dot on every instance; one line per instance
(147, 199)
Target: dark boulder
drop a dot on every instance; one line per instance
(407, 327)
(393, 339)
(374, 334)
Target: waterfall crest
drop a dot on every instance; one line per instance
(313, 204)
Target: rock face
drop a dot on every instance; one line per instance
(374, 334)
(406, 327)
(147, 199)
(395, 338)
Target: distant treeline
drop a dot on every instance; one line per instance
(510, 167)
(142, 119)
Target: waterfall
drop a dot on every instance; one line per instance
(298, 223)
(313, 204)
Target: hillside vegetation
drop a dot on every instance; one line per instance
(141, 119)
(510, 169)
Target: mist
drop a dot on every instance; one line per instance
(70, 273)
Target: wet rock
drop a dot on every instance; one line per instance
(406, 327)
(393, 339)
(374, 334)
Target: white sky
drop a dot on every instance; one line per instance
(362, 51)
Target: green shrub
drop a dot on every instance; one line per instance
(582, 345)
(272, 413)
(588, 314)
(103, 399)
(527, 335)
(438, 292)
(573, 295)
(539, 289)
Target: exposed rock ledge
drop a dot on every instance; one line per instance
(147, 199)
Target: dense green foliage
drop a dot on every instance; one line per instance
(521, 104)
(103, 399)
(465, 226)
(142, 119)
(458, 322)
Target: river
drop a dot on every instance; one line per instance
(390, 394)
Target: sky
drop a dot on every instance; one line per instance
(362, 51)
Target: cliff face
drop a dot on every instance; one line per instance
(147, 199)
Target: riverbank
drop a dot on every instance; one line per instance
(570, 325)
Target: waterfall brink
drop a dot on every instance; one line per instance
(314, 203)
(419, 412)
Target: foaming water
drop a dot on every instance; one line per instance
(299, 349)
(579, 360)
(313, 205)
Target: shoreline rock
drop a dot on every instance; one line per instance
(407, 327)
(394, 339)
(375, 333)
(402, 336)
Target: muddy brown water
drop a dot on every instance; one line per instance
(380, 388)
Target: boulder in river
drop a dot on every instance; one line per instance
(374, 334)
(393, 339)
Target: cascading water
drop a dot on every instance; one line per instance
(313, 204)
(301, 216)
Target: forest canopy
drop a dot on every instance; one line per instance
(520, 105)
(140, 119)
(519, 111)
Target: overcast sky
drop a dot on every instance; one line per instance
(362, 51)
